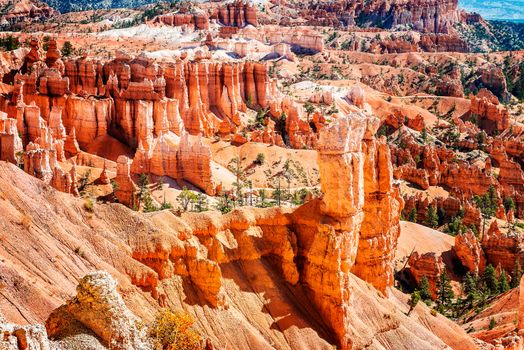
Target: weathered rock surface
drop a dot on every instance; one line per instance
(492, 117)
(503, 249)
(98, 306)
(182, 262)
(304, 38)
(434, 16)
(15, 337)
(469, 251)
(380, 228)
(237, 14)
(127, 190)
(429, 265)
(195, 21)
(27, 11)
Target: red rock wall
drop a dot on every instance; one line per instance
(237, 14)
(132, 96)
(435, 16)
(197, 21)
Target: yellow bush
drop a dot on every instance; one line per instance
(89, 205)
(174, 331)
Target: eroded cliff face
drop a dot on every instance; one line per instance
(197, 21)
(317, 245)
(61, 108)
(382, 207)
(434, 16)
(282, 275)
(314, 247)
(237, 14)
(134, 99)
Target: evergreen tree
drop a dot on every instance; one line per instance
(445, 292)
(67, 49)
(309, 109)
(148, 205)
(9, 43)
(516, 275)
(441, 215)
(424, 289)
(424, 135)
(147, 202)
(481, 139)
(455, 226)
(493, 197)
(46, 41)
(413, 215)
(235, 167)
(413, 300)
(487, 203)
(503, 282)
(224, 203)
(489, 278)
(263, 202)
(509, 204)
(432, 217)
(492, 323)
(470, 288)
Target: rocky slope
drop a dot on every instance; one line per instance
(174, 263)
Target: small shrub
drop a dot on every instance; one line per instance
(261, 158)
(492, 323)
(89, 205)
(174, 331)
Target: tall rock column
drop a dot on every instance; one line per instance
(126, 190)
(382, 206)
(328, 230)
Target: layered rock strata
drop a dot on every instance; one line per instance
(63, 107)
(237, 14)
(197, 21)
(432, 16)
(317, 245)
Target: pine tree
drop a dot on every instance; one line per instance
(424, 289)
(445, 292)
(432, 217)
(503, 282)
(489, 278)
(470, 288)
(509, 204)
(309, 109)
(413, 300)
(413, 215)
(144, 195)
(224, 203)
(235, 167)
(67, 49)
(424, 135)
(185, 198)
(148, 204)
